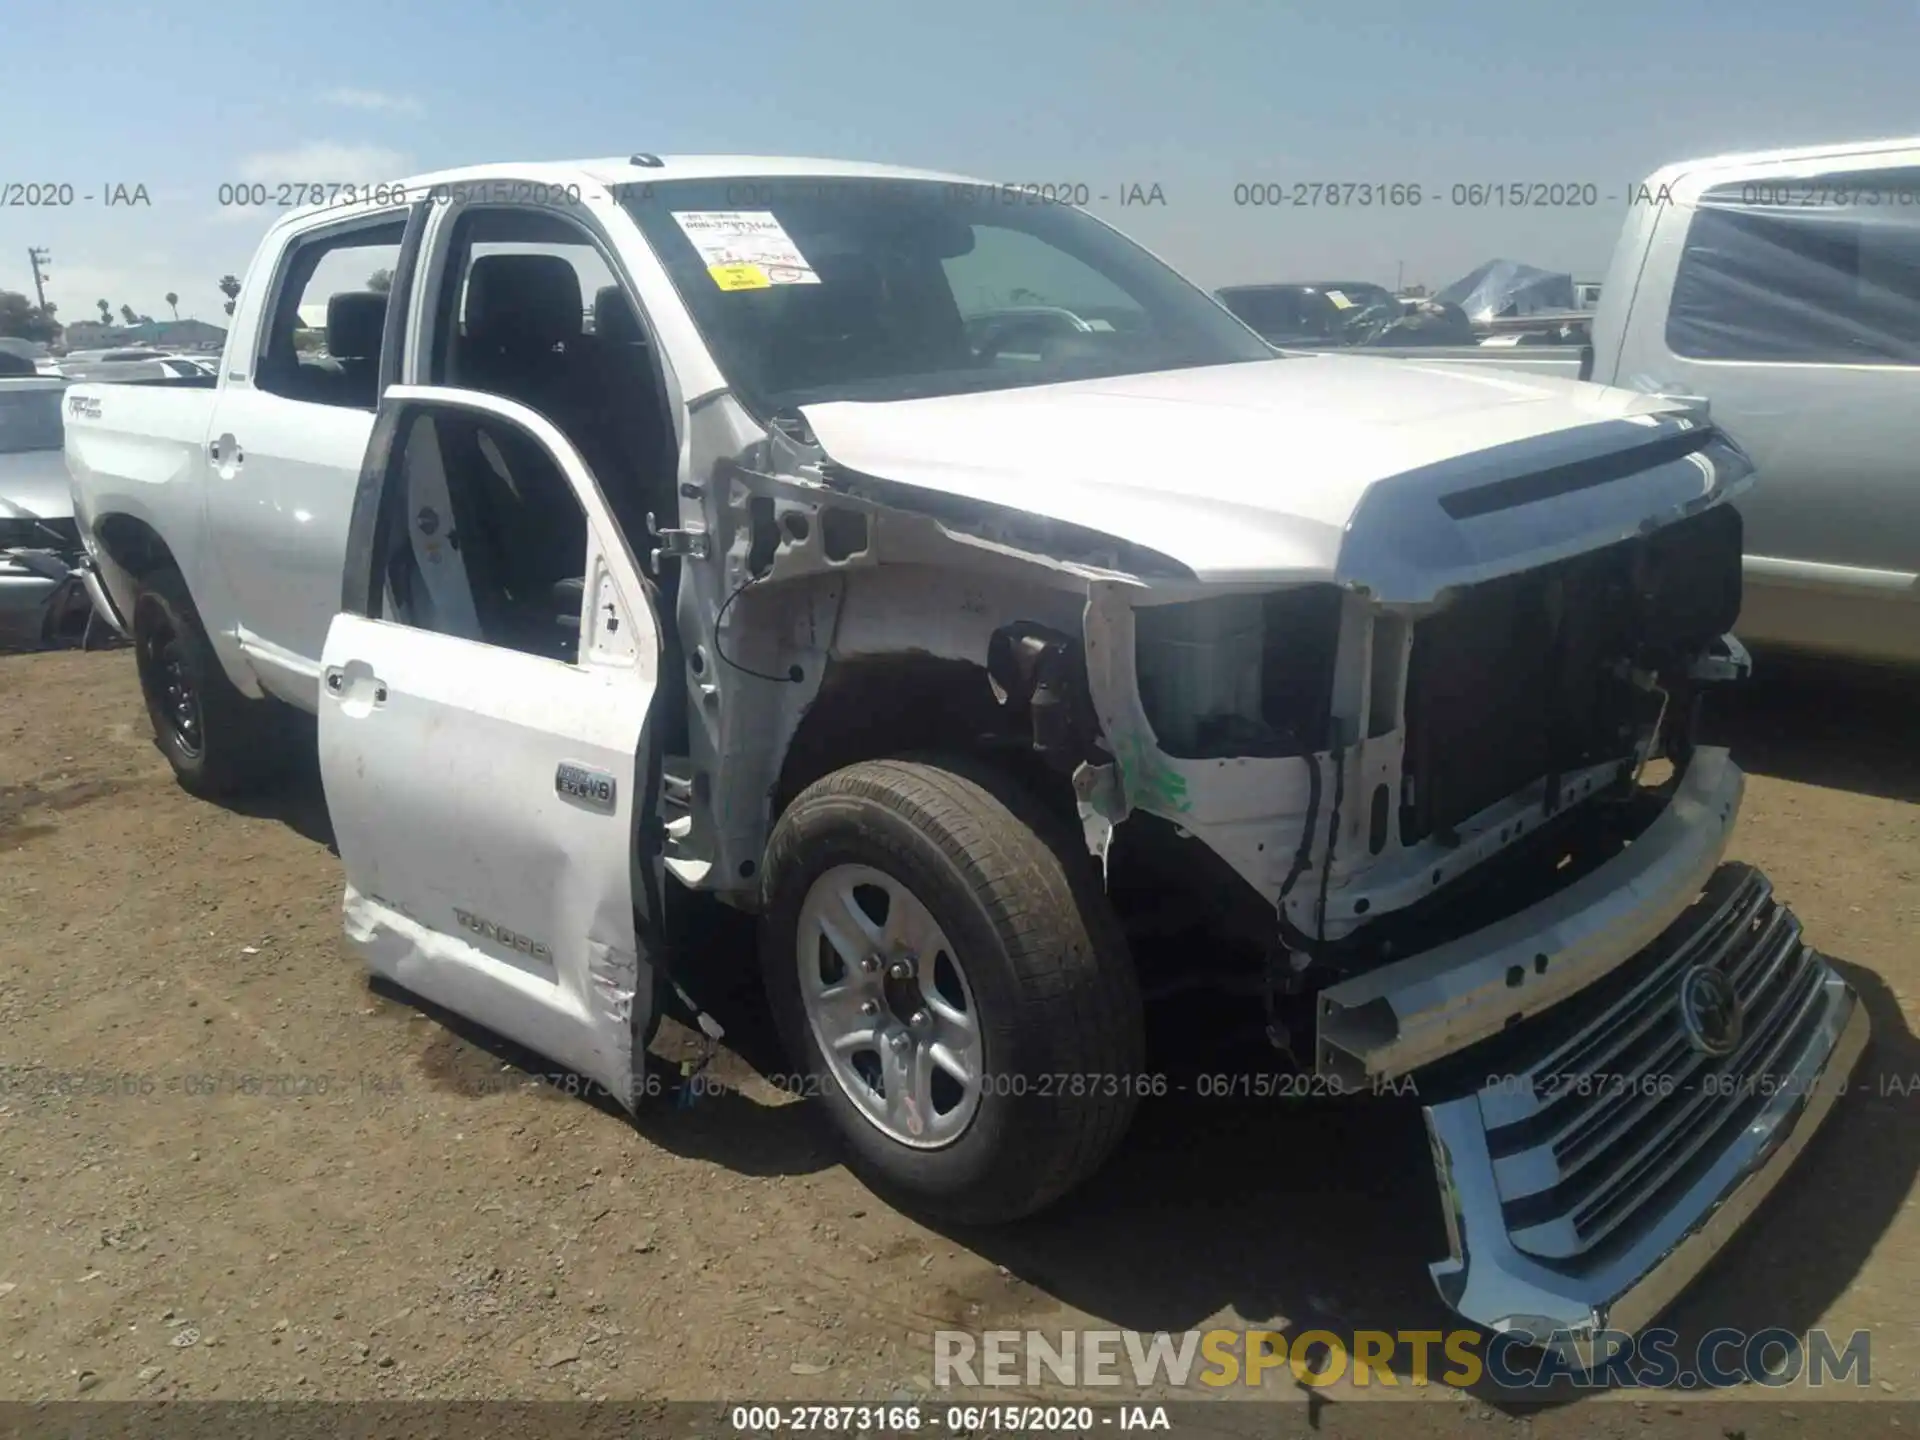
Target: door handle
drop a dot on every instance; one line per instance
(236, 455)
(372, 685)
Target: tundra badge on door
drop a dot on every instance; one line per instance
(500, 935)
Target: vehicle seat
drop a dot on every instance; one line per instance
(870, 316)
(522, 330)
(524, 341)
(638, 474)
(830, 332)
(356, 322)
(614, 323)
(631, 449)
(522, 533)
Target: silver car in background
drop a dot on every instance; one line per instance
(125, 365)
(43, 600)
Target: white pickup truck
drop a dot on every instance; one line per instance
(733, 525)
(1783, 288)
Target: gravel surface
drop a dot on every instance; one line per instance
(232, 1168)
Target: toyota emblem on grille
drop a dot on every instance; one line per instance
(1710, 1010)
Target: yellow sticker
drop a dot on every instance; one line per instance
(739, 277)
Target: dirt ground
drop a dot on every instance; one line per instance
(230, 1167)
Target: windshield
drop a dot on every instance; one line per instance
(1361, 306)
(809, 290)
(29, 420)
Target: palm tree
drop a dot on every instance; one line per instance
(173, 300)
(127, 314)
(230, 287)
(106, 312)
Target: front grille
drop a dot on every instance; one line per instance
(1522, 677)
(1593, 1130)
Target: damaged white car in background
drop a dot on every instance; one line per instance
(42, 600)
(1021, 674)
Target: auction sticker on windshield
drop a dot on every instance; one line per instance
(745, 249)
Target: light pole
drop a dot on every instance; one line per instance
(37, 257)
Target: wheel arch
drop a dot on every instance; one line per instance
(129, 550)
(126, 550)
(914, 703)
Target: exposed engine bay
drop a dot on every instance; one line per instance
(1539, 676)
(1456, 762)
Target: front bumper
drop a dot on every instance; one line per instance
(1391, 1021)
(1606, 1157)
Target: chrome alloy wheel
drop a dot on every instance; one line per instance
(889, 1006)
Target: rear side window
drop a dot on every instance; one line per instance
(323, 336)
(1803, 271)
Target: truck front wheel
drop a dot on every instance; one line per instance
(218, 741)
(948, 976)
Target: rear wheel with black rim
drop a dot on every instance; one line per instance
(218, 741)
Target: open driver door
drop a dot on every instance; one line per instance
(485, 738)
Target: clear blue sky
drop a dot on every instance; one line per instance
(1194, 96)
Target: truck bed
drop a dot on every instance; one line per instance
(139, 450)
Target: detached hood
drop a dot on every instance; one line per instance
(1386, 473)
(34, 486)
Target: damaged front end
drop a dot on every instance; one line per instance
(44, 599)
(1415, 777)
(1452, 798)
(1592, 1162)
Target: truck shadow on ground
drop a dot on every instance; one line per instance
(1293, 1215)
(708, 1116)
(297, 799)
(1824, 722)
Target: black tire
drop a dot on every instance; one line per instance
(1018, 897)
(218, 741)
